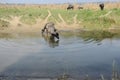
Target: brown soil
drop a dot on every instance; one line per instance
(16, 26)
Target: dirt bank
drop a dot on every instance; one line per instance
(16, 26)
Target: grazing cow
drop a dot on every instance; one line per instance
(50, 30)
(70, 7)
(101, 6)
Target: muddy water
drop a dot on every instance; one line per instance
(76, 54)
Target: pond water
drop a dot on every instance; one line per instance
(76, 53)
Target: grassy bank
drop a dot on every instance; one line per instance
(85, 19)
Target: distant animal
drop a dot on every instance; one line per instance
(101, 6)
(80, 7)
(70, 7)
(49, 30)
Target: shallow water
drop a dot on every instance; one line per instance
(76, 54)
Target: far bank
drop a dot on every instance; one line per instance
(32, 19)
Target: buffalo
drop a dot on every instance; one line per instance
(101, 6)
(50, 30)
(70, 7)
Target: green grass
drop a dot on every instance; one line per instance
(89, 19)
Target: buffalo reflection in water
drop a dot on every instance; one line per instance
(52, 41)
